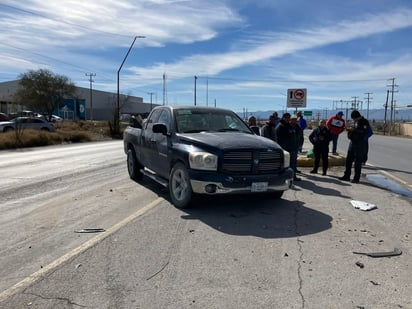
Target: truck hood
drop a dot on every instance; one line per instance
(229, 140)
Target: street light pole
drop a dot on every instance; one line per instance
(117, 115)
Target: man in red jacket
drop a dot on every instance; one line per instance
(336, 125)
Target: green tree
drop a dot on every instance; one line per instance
(43, 90)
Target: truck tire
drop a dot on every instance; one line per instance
(133, 166)
(180, 189)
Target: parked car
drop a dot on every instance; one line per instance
(55, 118)
(4, 117)
(26, 123)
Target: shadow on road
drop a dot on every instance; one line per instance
(254, 215)
(258, 216)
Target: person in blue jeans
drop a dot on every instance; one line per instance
(303, 125)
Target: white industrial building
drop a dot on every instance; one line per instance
(99, 105)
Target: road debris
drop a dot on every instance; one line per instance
(395, 252)
(99, 230)
(360, 264)
(363, 205)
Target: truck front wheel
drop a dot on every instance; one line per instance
(179, 186)
(133, 166)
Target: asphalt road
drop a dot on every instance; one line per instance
(387, 153)
(232, 252)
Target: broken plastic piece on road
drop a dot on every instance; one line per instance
(395, 252)
(90, 231)
(360, 265)
(363, 205)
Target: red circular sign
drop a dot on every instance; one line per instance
(299, 94)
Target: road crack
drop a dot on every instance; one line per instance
(64, 299)
(300, 248)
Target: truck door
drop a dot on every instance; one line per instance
(160, 155)
(148, 145)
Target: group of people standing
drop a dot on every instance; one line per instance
(288, 133)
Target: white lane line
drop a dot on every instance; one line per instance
(68, 256)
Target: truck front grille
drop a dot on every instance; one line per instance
(252, 162)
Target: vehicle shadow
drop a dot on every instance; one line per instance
(253, 215)
(259, 216)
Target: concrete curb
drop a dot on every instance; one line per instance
(334, 160)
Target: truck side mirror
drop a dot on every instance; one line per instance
(160, 128)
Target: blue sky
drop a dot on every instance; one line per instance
(245, 53)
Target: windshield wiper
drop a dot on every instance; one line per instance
(228, 130)
(193, 131)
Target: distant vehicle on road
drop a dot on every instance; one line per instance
(204, 150)
(26, 123)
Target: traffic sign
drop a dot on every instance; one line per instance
(296, 97)
(307, 113)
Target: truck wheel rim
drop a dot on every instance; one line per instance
(179, 185)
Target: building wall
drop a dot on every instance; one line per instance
(404, 129)
(100, 107)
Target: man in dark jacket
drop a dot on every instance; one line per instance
(357, 146)
(288, 134)
(320, 138)
(268, 130)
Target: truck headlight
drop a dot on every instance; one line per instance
(203, 161)
(286, 159)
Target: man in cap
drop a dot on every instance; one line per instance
(357, 135)
(336, 125)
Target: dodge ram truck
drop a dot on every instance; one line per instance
(196, 151)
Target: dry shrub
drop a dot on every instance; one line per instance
(66, 132)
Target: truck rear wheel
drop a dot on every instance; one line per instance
(179, 186)
(133, 166)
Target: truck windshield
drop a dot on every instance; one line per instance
(195, 121)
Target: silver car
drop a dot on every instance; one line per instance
(26, 123)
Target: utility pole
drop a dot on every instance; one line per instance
(151, 96)
(386, 109)
(91, 75)
(368, 98)
(207, 92)
(354, 103)
(392, 91)
(195, 88)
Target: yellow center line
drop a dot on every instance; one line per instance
(70, 255)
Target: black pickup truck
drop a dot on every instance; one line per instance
(204, 150)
